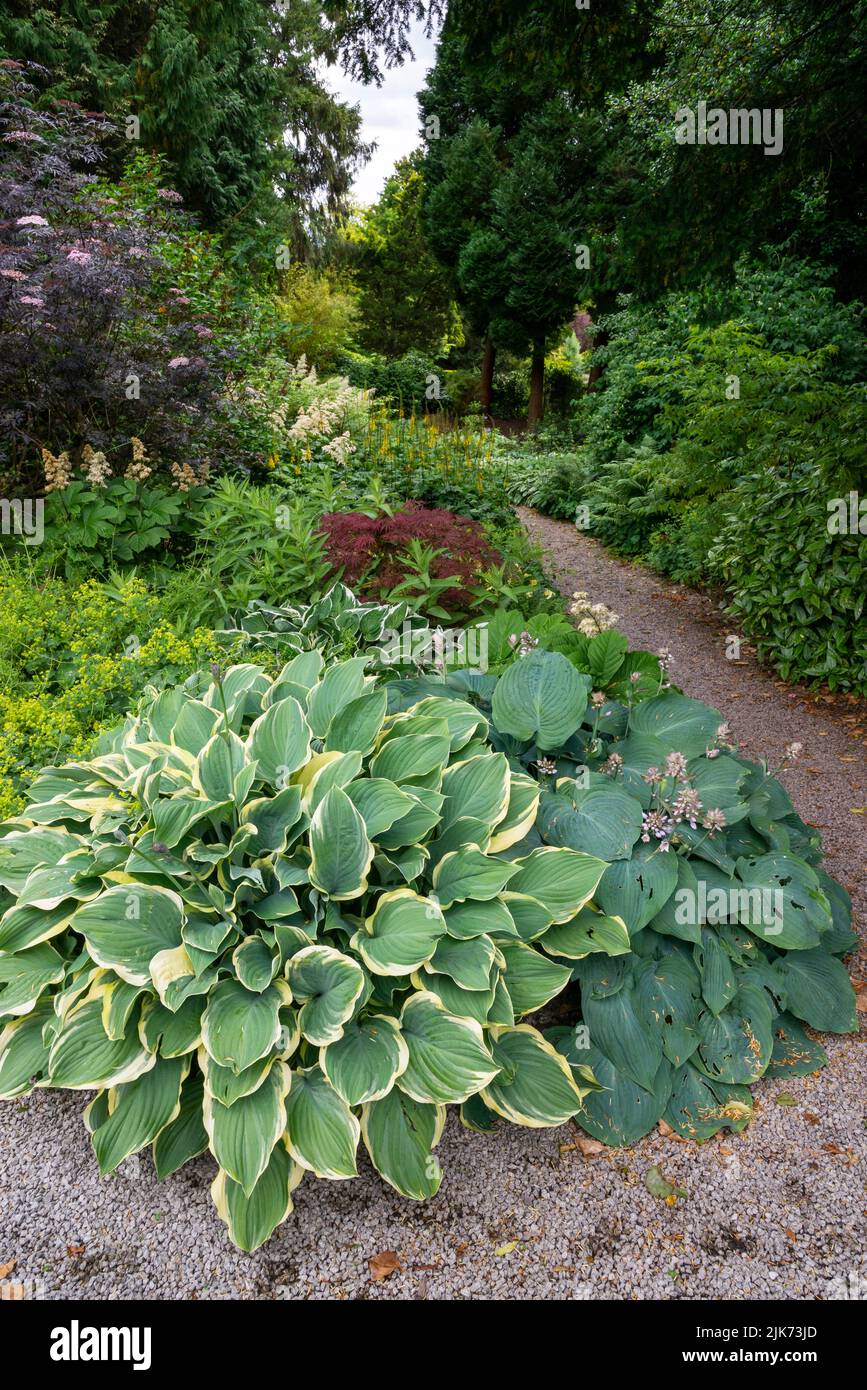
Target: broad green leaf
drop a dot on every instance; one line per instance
(520, 816)
(795, 1052)
(818, 990)
(379, 802)
(448, 1059)
(341, 853)
(468, 873)
(637, 888)
(84, 1058)
(364, 1064)
(184, 1137)
(138, 1111)
(470, 919)
(23, 851)
(243, 1136)
(327, 984)
(541, 697)
(321, 1131)
(531, 979)
(410, 755)
(535, 1086)
(173, 1033)
(667, 998)
(218, 764)
(279, 742)
(736, 1045)
(24, 927)
(359, 723)
(401, 934)
(255, 963)
(618, 1031)
(23, 1053)
(718, 983)
(468, 963)
(239, 1026)
(127, 925)
(400, 1136)
(783, 903)
(700, 1107)
(561, 879)
(604, 821)
(589, 931)
(682, 725)
(478, 788)
(621, 1112)
(340, 685)
(274, 817)
(252, 1218)
(24, 977)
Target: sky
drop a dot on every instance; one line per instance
(389, 113)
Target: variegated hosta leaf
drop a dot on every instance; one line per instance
(23, 1053)
(173, 1033)
(535, 1085)
(279, 742)
(340, 685)
(478, 788)
(587, 932)
(327, 984)
(401, 934)
(563, 880)
(341, 851)
(468, 873)
(240, 1026)
(400, 1135)
(468, 963)
(25, 850)
(243, 1135)
(469, 919)
(84, 1058)
(448, 1058)
(24, 977)
(127, 925)
(219, 763)
(531, 978)
(184, 1137)
(520, 815)
(24, 927)
(321, 1131)
(253, 1217)
(365, 1063)
(137, 1112)
(274, 818)
(255, 963)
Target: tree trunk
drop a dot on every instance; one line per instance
(606, 303)
(536, 408)
(488, 363)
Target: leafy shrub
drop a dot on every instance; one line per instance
(338, 625)
(319, 317)
(72, 661)
(413, 383)
(273, 936)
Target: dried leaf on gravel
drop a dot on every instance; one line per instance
(381, 1266)
(507, 1249)
(587, 1147)
(7, 1268)
(786, 1098)
(75, 1249)
(659, 1186)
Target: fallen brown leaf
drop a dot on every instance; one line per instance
(381, 1266)
(75, 1249)
(7, 1268)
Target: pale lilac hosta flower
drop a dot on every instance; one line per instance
(169, 195)
(525, 643)
(612, 765)
(652, 776)
(712, 752)
(597, 699)
(32, 299)
(715, 820)
(656, 825)
(79, 257)
(675, 765)
(794, 751)
(547, 766)
(687, 806)
(202, 331)
(179, 362)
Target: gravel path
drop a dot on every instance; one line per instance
(777, 1212)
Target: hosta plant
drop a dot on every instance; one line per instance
(714, 935)
(273, 920)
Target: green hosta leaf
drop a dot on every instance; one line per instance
(410, 755)
(400, 1136)
(468, 873)
(531, 918)
(22, 928)
(127, 925)
(173, 816)
(468, 963)
(243, 1136)
(470, 919)
(252, 1218)
(718, 983)
(358, 725)
(401, 934)
(364, 1064)
(448, 1059)
(476, 1004)
(24, 977)
(327, 984)
(227, 1086)
(478, 788)
(561, 879)
(795, 1053)
(322, 1132)
(541, 697)
(184, 1137)
(520, 816)
(138, 1111)
(604, 821)
(666, 995)
(23, 851)
(379, 802)
(618, 1031)
(219, 763)
(173, 1033)
(531, 979)
(621, 1112)
(340, 685)
(273, 818)
(118, 1002)
(84, 1058)
(818, 990)
(682, 725)
(700, 1107)
(736, 1045)
(412, 828)
(23, 1053)
(239, 1026)
(588, 932)
(681, 915)
(787, 907)
(279, 742)
(605, 653)
(463, 720)
(255, 964)
(636, 889)
(341, 851)
(535, 1086)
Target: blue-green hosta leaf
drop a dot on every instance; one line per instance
(786, 906)
(621, 1112)
(127, 925)
(736, 1045)
(401, 934)
(252, 1218)
(520, 816)
(414, 827)
(531, 917)
(468, 963)
(542, 698)
(718, 983)
(279, 742)
(468, 873)
(682, 725)
(478, 788)
(605, 653)
(463, 720)
(255, 963)
(340, 685)
(448, 1059)
(23, 1052)
(535, 1086)
(23, 978)
(605, 821)
(701, 1107)
(379, 802)
(364, 1064)
(531, 978)
(563, 880)
(137, 1112)
(321, 1131)
(666, 995)
(184, 1137)
(274, 817)
(462, 832)
(341, 853)
(359, 723)
(400, 1136)
(327, 984)
(636, 889)
(243, 1136)
(586, 933)
(618, 1031)
(239, 1026)
(464, 1003)
(681, 915)
(818, 990)
(718, 782)
(470, 919)
(84, 1058)
(639, 753)
(219, 763)
(840, 939)
(795, 1052)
